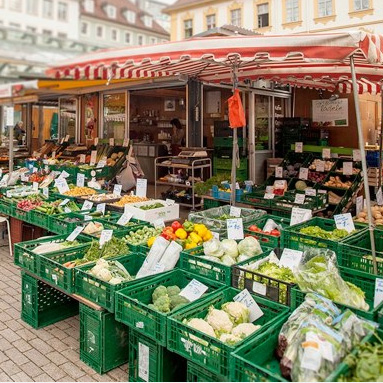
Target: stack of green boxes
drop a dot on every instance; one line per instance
(223, 151)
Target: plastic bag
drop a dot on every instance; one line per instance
(237, 117)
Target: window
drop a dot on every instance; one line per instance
(292, 11)
(210, 22)
(100, 31)
(127, 38)
(46, 32)
(111, 11)
(263, 15)
(324, 8)
(15, 5)
(62, 11)
(153, 40)
(32, 7)
(48, 8)
(84, 28)
(31, 29)
(62, 35)
(361, 5)
(114, 34)
(148, 21)
(235, 16)
(188, 28)
(89, 6)
(140, 40)
(131, 16)
(14, 25)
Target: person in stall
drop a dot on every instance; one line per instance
(178, 136)
(18, 132)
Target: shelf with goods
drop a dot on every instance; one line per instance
(188, 171)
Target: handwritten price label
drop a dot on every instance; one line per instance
(193, 290)
(290, 258)
(235, 211)
(124, 219)
(87, 205)
(234, 228)
(72, 236)
(245, 298)
(344, 221)
(106, 236)
(80, 180)
(299, 147)
(326, 153)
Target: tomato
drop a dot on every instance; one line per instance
(275, 233)
(254, 228)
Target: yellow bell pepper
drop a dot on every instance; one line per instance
(150, 241)
(190, 245)
(200, 229)
(208, 236)
(181, 233)
(195, 237)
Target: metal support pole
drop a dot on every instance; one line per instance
(381, 138)
(10, 148)
(364, 164)
(234, 161)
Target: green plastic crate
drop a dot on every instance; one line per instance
(42, 305)
(281, 213)
(267, 239)
(226, 163)
(196, 373)
(104, 342)
(209, 352)
(210, 203)
(22, 215)
(132, 303)
(226, 142)
(355, 179)
(292, 158)
(100, 292)
(241, 175)
(364, 281)
(256, 198)
(260, 284)
(293, 239)
(287, 202)
(113, 217)
(256, 360)
(118, 230)
(355, 252)
(191, 261)
(58, 223)
(5, 207)
(50, 266)
(150, 362)
(38, 218)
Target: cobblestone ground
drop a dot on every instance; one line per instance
(44, 355)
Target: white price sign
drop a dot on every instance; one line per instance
(303, 173)
(35, 186)
(101, 163)
(344, 221)
(117, 190)
(88, 218)
(64, 174)
(347, 168)
(245, 298)
(141, 187)
(269, 196)
(46, 192)
(299, 147)
(326, 153)
(96, 141)
(299, 215)
(9, 112)
(356, 155)
(279, 172)
(106, 236)
(215, 235)
(87, 205)
(378, 297)
(74, 234)
(290, 258)
(124, 219)
(320, 166)
(101, 208)
(111, 141)
(82, 158)
(310, 192)
(143, 362)
(235, 211)
(80, 180)
(379, 197)
(194, 290)
(234, 228)
(61, 185)
(93, 157)
(63, 203)
(67, 210)
(159, 223)
(359, 204)
(126, 142)
(300, 199)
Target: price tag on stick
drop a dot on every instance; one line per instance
(87, 205)
(93, 157)
(124, 219)
(320, 166)
(303, 173)
(61, 185)
(141, 187)
(290, 258)
(63, 203)
(80, 180)
(269, 196)
(378, 297)
(326, 153)
(106, 236)
(300, 199)
(234, 228)
(245, 298)
(356, 155)
(359, 204)
(299, 147)
(72, 236)
(101, 208)
(344, 221)
(379, 197)
(111, 141)
(299, 215)
(279, 172)
(347, 168)
(235, 211)
(193, 290)
(82, 158)
(46, 192)
(117, 189)
(159, 223)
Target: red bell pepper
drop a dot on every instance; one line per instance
(176, 225)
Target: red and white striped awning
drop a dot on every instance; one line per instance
(312, 60)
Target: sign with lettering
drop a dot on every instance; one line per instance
(330, 113)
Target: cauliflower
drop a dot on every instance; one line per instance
(159, 292)
(242, 258)
(229, 339)
(116, 280)
(237, 312)
(202, 325)
(230, 247)
(177, 300)
(249, 246)
(173, 290)
(219, 320)
(245, 329)
(162, 303)
(104, 274)
(228, 261)
(213, 248)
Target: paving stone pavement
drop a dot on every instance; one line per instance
(43, 355)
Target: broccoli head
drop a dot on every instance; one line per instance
(159, 292)
(173, 290)
(177, 300)
(162, 304)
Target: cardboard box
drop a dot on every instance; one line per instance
(166, 213)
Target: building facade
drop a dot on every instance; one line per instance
(275, 16)
(116, 23)
(155, 8)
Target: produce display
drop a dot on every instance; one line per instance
(166, 299)
(229, 252)
(318, 232)
(30, 202)
(354, 171)
(268, 228)
(78, 191)
(142, 235)
(49, 247)
(318, 162)
(292, 171)
(377, 215)
(129, 199)
(93, 228)
(336, 182)
(112, 272)
(317, 177)
(54, 207)
(230, 324)
(155, 205)
(102, 197)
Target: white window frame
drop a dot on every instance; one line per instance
(359, 5)
(153, 40)
(87, 28)
(188, 28)
(148, 21)
(32, 7)
(130, 38)
(111, 11)
(62, 12)
(236, 17)
(103, 31)
(48, 15)
(111, 34)
(211, 21)
(131, 16)
(89, 6)
(259, 14)
(138, 40)
(325, 8)
(292, 6)
(16, 5)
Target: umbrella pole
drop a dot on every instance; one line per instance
(381, 138)
(234, 167)
(364, 164)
